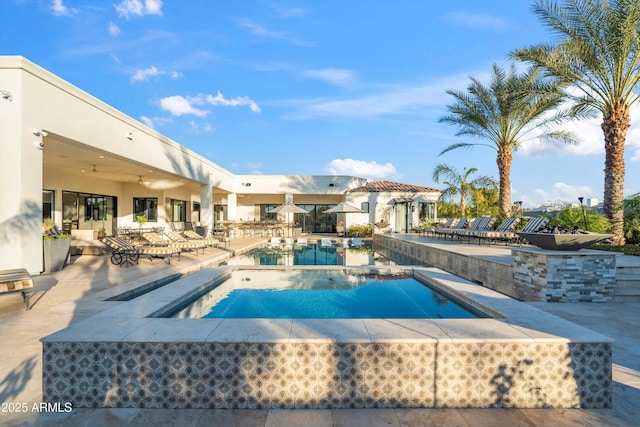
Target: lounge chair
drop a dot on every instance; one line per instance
(192, 235)
(326, 242)
(479, 224)
(124, 253)
(534, 225)
(275, 241)
(461, 224)
(176, 237)
(155, 239)
(302, 241)
(17, 280)
(356, 241)
(506, 226)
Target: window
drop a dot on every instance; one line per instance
(146, 207)
(47, 204)
(427, 211)
(266, 215)
(178, 210)
(364, 207)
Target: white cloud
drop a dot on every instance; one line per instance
(178, 106)
(155, 121)
(591, 139)
(336, 76)
(128, 8)
(360, 168)
(59, 9)
(266, 33)
(144, 75)
(560, 192)
(475, 20)
(391, 100)
(114, 30)
(219, 99)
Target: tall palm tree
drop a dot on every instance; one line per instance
(511, 108)
(458, 184)
(599, 54)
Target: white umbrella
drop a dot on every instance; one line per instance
(288, 208)
(344, 208)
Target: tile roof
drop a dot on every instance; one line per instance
(389, 186)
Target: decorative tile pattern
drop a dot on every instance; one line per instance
(328, 375)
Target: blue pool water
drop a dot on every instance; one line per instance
(322, 295)
(311, 254)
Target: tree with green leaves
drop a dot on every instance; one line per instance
(459, 184)
(511, 108)
(598, 53)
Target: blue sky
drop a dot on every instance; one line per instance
(349, 87)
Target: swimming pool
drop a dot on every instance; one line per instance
(311, 254)
(321, 294)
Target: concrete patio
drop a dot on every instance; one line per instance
(79, 290)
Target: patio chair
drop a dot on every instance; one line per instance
(176, 237)
(461, 224)
(506, 226)
(534, 225)
(125, 253)
(326, 242)
(155, 239)
(275, 241)
(302, 241)
(17, 280)
(192, 235)
(479, 224)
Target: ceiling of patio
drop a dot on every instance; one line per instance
(73, 157)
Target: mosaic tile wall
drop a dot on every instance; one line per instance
(564, 277)
(328, 374)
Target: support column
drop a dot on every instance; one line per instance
(206, 206)
(21, 178)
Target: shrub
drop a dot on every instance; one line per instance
(361, 230)
(572, 217)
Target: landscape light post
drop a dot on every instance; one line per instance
(584, 215)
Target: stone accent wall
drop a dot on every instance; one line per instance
(554, 276)
(421, 373)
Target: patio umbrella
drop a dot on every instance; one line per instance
(344, 208)
(288, 208)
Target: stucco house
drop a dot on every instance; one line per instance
(69, 158)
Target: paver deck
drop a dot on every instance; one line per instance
(79, 290)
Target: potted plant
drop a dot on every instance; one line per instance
(55, 247)
(141, 219)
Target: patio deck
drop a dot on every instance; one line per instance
(80, 290)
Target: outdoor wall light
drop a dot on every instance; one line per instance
(6, 95)
(38, 132)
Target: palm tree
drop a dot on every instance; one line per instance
(599, 55)
(458, 184)
(513, 107)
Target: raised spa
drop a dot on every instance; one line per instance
(127, 356)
